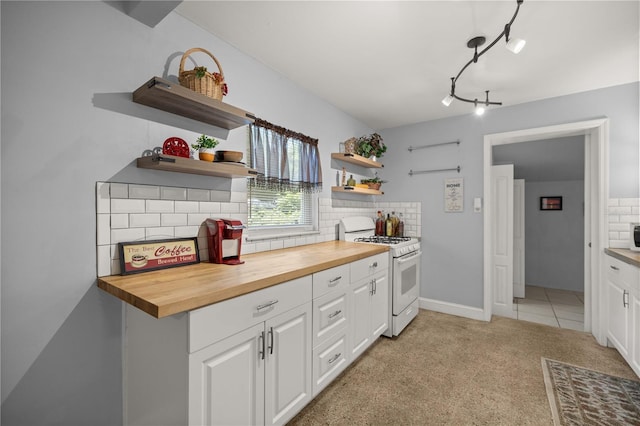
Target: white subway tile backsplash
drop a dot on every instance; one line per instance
(277, 244)
(103, 229)
(620, 210)
(148, 192)
(119, 205)
(159, 233)
(209, 207)
(103, 261)
(160, 206)
(124, 235)
(173, 219)
(238, 197)
(629, 218)
(119, 221)
(612, 218)
(144, 220)
(187, 207)
(222, 196)
(119, 190)
(171, 193)
(618, 227)
(614, 202)
(186, 231)
(103, 199)
(198, 194)
(229, 208)
(196, 219)
(629, 201)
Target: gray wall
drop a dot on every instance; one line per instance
(68, 70)
(453, 242)
(554, 240)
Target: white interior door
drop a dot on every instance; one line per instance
(502, 241)
(518, 238)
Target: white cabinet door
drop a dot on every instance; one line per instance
(288, 364)
(618, 317)
(226, 381)
(360, 311)
(635, 333)
(379, 306)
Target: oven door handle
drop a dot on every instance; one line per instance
(408, 258)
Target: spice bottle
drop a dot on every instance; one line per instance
(389, 226)
(400, 226)
(380, 224)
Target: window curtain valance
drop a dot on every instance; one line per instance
(285, 160)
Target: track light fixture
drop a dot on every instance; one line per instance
(515, 45)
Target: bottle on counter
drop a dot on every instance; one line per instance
(380, 224)
(344, 176)
(400, 226)
(388, 226)
(394, 224)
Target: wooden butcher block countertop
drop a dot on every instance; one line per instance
(625, 255)
(170, 291)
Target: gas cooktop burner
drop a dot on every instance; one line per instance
(378, 239)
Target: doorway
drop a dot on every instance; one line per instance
(546, 237)
(498, 285)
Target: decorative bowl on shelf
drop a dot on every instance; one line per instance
(229, 156)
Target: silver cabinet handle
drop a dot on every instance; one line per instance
(625, 298)
(271, 340)
(374, 265)
(371, 289)
(615, 268)
(375, 286)
(335, 314)
(266, 305)
(335, 280)
(335, 358)
(261, 345)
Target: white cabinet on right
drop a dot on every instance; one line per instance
(623, 309)
(368, 301)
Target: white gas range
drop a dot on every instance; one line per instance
(404, 268)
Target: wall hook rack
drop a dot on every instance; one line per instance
(419, 172)
(412, 148)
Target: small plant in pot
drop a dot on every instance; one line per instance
(370, 146)
(205, 146)
(373, 183)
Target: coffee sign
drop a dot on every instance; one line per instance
(142, 256)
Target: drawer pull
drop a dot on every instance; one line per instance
(266, 305)
(374, 265)
(335, 280)
(335, 358)
(335, 314)
(615, 268)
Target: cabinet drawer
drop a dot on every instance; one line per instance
(329, 360)
(368, 267)
(215, 322)
(330, 279)
(329, 315)
(623, 273)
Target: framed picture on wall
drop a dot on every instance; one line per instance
(550, 203)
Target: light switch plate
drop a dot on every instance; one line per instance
(477, 205)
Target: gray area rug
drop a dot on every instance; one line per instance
(579, 396)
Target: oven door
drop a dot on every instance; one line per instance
(406, 280)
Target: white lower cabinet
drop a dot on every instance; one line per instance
(368, 302)
(623, 309)
(256, 359)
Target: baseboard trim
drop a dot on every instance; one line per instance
(452, 309)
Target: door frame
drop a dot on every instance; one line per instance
(596, 133)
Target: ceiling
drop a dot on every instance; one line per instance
(389, 63)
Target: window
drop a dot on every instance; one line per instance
(289, 173)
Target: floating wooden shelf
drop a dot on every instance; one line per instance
(171, 97)
(356, 190)
(170, 163)
(356, 159)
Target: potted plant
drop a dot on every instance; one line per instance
(205, 146)
(373, 183)
(370, 146)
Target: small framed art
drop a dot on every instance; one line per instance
(143, 256)
(550, 203)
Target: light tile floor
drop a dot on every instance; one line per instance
(557, 308)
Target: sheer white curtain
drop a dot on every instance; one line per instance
(285, 160)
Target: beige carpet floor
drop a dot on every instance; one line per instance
(447, 370)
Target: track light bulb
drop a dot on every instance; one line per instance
(516, 45)
(479, 110)
(447, 100)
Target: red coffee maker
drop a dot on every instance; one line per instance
(225, 240)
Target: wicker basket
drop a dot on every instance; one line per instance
(211, 84)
